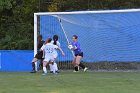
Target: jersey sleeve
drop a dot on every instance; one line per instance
(77, 45)
(58, 44)
(52, 42)
(43, 47)
(72, 44)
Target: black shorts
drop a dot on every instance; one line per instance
(39, 55)
(80, 54)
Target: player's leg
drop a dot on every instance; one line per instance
(45, 63)
(41, 64)
(83, 66)
(78, 61)
(55, 66)
(33, 65)
(75, 65)
(51, 68)
(35, 59)
(44, 67)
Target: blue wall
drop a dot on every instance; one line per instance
(16, 60)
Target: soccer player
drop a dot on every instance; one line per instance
(48, 54)
(39, 54)
(78, 54)
(54, 67)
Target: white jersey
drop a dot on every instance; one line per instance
(43, 47)
(55, 51)
(50, 49)
(57, 43)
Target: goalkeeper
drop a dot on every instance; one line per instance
(78, 54)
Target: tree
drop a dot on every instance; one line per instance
(16, 16)
(16, 31)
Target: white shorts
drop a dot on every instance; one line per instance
(48, 58)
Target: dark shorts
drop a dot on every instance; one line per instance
(39, 55)
(80, 54)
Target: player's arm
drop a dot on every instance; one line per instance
(42, 48)
(57, 47)
(61, 51)
(43, 54)
(71, 47)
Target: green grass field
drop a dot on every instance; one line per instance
(89, 82)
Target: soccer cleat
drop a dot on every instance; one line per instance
(55, 73)
(33, 71)
(85, 69)
(75, 71)
(44, 74)
(51, 71)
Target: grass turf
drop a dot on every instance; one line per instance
(90, 82)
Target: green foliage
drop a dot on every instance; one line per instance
(5, 4)
(16, 16)
(16, 29)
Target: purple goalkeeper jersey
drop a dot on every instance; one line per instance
(77, 44)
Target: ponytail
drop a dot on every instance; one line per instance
(55, 39)
(55, 42)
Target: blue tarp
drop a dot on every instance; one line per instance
(111, 37)
(16, 60)
(103, 37)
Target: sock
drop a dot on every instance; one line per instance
(51, 67)
(41, 65)
(82, 65)
(33, 66)
(55, 67)
(44, 69)
(76, 68)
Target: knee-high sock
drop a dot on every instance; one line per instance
(82, 65)
(44, 69)
(55, 67)
(51, 67)
(41, 64)
(76, 68)
(33, 66)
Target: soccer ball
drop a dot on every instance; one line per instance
(70, 46)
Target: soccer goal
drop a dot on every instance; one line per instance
(105, 36)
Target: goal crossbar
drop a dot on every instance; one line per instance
(88, 12)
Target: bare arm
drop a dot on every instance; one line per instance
(61, 51)
(43, 54)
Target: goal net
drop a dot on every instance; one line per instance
(109, 36)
